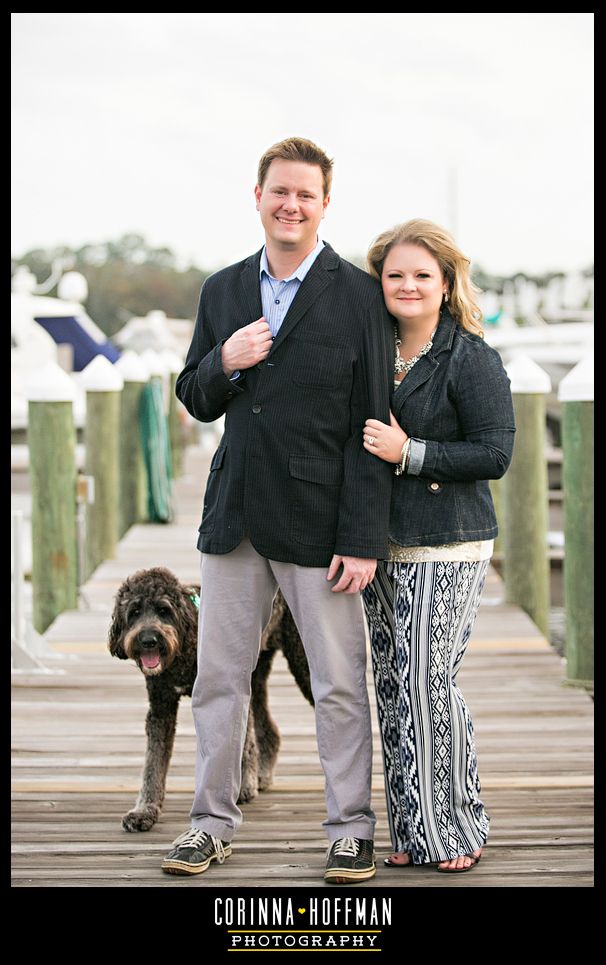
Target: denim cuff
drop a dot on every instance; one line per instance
(416, 457)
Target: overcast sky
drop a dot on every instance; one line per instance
(154, 124)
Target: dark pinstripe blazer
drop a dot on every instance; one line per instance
(291, 472)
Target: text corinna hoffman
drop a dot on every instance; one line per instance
(308, 912)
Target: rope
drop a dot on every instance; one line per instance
(153, 425)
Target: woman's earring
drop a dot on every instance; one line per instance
(446, 297)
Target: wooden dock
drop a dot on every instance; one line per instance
(78, 743)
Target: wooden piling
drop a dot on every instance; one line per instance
(103, 384)
(133, 477)
(576, 392)
(526, 562)
(52, 467)
(175, 413)
(497, 487)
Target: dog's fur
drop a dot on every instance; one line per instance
(154, 623)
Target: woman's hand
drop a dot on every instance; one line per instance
(384, 441)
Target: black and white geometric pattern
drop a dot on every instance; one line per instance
(420, 617)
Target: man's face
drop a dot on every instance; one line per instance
(292, 203)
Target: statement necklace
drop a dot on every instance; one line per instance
(405, 365)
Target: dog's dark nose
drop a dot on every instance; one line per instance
(148, 639)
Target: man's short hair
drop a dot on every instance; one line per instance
(297, 149)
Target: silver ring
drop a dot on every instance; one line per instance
(371, 440)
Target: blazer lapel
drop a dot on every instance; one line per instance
(252, 285)
(420, 373)
(315, 282)
(428, 364)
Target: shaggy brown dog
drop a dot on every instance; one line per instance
(154, 623)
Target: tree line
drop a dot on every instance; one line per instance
(128, 277)
(125, 278)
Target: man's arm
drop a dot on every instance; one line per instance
(366, 491)
(206, 384)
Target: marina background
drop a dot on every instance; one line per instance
(154, 124)
(135, 144)
(136, 138)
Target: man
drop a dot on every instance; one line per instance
(295, 346)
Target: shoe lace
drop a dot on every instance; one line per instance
(347, 846)
(219, 849)
(194, 838)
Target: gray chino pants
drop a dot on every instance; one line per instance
(235, 604)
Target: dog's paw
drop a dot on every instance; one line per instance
(247, 793)
(141, 820)
(266, 779)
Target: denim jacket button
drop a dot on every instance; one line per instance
(434, 487)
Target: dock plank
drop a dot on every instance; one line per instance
(79, 738)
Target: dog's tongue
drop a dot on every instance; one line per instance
(150, 660)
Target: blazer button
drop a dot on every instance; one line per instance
(256, 408)
(434, 487)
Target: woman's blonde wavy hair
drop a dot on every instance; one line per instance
(453, 265)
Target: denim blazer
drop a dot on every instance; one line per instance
(456, 405)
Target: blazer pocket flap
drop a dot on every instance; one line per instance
(218, 458)
(316, 469)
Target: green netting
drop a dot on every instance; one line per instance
(153, 425)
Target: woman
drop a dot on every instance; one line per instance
(452, 429)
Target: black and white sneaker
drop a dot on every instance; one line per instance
(193, 852)
(350, 859)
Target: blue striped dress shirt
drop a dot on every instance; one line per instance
(277, 295)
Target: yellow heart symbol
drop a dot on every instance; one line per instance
(301, 910)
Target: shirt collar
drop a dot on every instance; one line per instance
(299, 272)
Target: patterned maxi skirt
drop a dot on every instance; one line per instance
(420, 617)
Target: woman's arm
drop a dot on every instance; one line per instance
(485, 413)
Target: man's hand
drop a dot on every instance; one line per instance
(246, 347)
(357, 573)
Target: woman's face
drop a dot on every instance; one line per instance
(413, 286)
